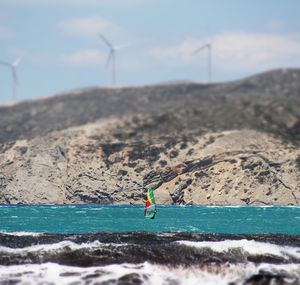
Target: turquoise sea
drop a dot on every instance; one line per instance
(125, 218)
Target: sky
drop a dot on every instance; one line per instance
(62, 51)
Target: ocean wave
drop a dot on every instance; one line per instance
(249, 247)
(151, 274)
(164, 248)
(34, 234)
(60, 246)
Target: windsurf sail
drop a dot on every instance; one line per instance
(150, 206)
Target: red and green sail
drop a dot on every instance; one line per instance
(150, 206)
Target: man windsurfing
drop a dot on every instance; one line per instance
(150, 206)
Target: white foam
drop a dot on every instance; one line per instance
(226, 206)
(22, 233)
(249, 247)
(58, 246)
(96, 209)
(149, 274)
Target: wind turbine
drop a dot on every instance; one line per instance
(208, 47)
(111, 59)
(15, 81)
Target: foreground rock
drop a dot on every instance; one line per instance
(234, 143)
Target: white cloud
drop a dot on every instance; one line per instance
(250, 51)
(5, 33)
(73, 2)
(85, 58)
(238, 51)
(89, 27)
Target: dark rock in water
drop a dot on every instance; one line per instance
(269, 278)
(92, 276)
(13, 281)
(267, 258)
(130, 279)
(67, 274)
(135, 247)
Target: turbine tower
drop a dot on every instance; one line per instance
(15, 81)
(111, 59)
(208, 47)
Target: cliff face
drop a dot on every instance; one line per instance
(231, 143)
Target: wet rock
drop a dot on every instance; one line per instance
(132, 279)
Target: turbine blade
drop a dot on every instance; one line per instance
(17, 61)
(5, 63)
(106, 41)
(109, 58)
(201, 48)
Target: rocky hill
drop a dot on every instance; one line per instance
(226, 143)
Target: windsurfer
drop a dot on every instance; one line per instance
(150, 206)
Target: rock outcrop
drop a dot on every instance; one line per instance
(231, 143)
